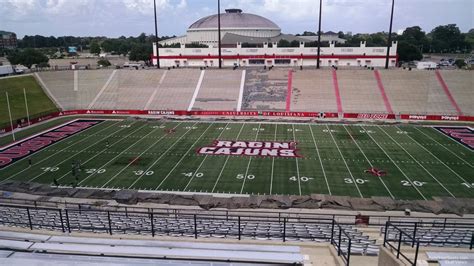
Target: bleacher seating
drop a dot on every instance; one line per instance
(416, 92)
(313, 91)
(219, 90)
(461, 84)
(265, 90)
(408, 92)
(176, 91)
(359, 92)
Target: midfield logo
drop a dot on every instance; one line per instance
(251, 148)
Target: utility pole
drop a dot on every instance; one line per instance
(219, 31)
(389, 37)
(319, 33)
(156, 38)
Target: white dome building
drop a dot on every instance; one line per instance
(234, 21)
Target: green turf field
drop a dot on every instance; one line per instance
(420, 162)
(38, 103)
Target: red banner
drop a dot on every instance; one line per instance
(368, 116)
(437, 117)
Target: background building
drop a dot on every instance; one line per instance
(249, 39)
(7, 40)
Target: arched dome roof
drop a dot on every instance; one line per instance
(234, 18)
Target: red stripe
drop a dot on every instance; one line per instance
(388, 106)
(273, 56)
(288, 93)
(448, 92)
(336, 90)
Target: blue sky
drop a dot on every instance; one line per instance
(114, 18)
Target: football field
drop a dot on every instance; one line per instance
(397, 161)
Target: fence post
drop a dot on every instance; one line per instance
(195, 227)
(414, 235)
(152, 225)
(332, 230)
(29, 218)
(339, 242)
(399, 244)
(240, 233)
(110, 222)
(126, 212)
(284, 229)
(387, 224)
(472, 241)
(349, 252)
(61, 218)
(416, 253)
(79, 205)
(67, 221)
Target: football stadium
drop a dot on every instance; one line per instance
(242, 152)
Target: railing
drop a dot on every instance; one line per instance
(344, 219)
(341, 241)
(407, 233)
(68, 220)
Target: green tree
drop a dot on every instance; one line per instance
(415, 36)
(448, 38)
(408, 51)
(141, 52)
(27, 57)
(95, 48)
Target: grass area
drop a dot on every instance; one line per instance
(38, 102)
(420, 162)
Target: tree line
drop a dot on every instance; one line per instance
(412, 43)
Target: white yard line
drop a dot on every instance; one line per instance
(196, 90)
(200, 165)
(241, 91)
(273, 162)
(118, 155)
(161, 156)
(68, 158)
(226, 160)
(396, 165)
(367, 159)
(76, 81)
(320, 161)
(184, 156)
(450, 151)
(141, 154)
(46, 158)
(48, 91)
(102, 90)
(152, 97)
(344, 160)
(250, 161)
(439, 160)
(296, 159)
(426, 170)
